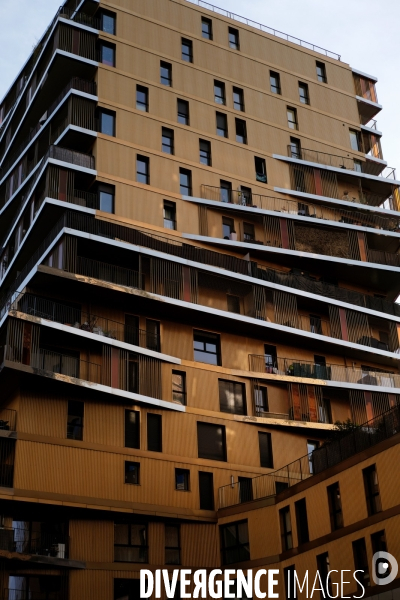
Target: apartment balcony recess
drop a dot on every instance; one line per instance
(302, 209)
(25, 541)
(367, 97)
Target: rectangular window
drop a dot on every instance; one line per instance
(185, 182)
(225, 191)
(281, 486)
(295, 148)
(75, 420)
(133, 373)
(357, 166)
(106, 195)
(167, 140)
(335, 506)
(286, 529)
(361, 563)
(165, 73)
(205, 152)
(132, 472)
(233, 37)
(245, 489)
(169, 214)
(107, 54)
(107, 122)
(311, 446)
(235, 542)
(126, 589)
(206, 347)
(323, 566)
(238, 99)
(211, 441)
(142, 98)
(378, 542)
(182, 480)
(130, 543)
(172, 545)
(108, 22)
(316, 324)
(219, 92)
(270, 358)
(187, 50)
(354, 140)
(183, 112)
(275, 82)
(302, 521)
(132, 429)
(265, 446)
(179, 387)
(241, 131)
(222, 125)
(321, 72)
(303, 93)
(228, 228)
(292, 118)
(154, 432)
(372, 494)
(233, 303)
(206, 28)
(248, 232)
(206, 490)
(260, 399)
(261, 169)
(153, 335)
(142, 169)
(232, 397)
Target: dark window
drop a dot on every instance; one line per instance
(248, 232)
(238, 99)
(167, 140)
(172, 545)
(165, 73)
(107, 122)
(185, 182)
(206, 490)
(130, 543)
(142, 98)
(245, 196)
(108, 22)
(378, 542)
(205, 152)
(225, 191)
(245, 489)
(133, 373)
(106, 197)
(206, 28)
(182, 479)
(107, 54)
(179, 386)
(132, 429)
(311, 446)
(132, 472)
(303, 93)
(222, 125)
(187, 50)
(302, 521)
(290, 582)
(153, 335)
(206, 347)
(315, 324)
(211, 441)
(169, 214)
(286, 529)
(241, 131)
(323, 566)
(361, 563)
(292, 118)
(75, 420)
(228, 227)
(281, 486)
(295, 148)
(233, 36)
(142, 169)
(321, 72)
(126, 589)
(233, 303)
(335, 506)
(265, 445)
(372, 494)
(235, 542)
(270, 358)
(261, 399)
(275, 82)
(219, 92)
(232, 397)
(261, 169)
(154, 432)
(183, 112)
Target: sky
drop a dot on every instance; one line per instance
(359, 30)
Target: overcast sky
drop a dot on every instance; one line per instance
(363, 32)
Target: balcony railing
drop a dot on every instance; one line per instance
(24, 541)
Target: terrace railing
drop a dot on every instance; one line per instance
(24, 541)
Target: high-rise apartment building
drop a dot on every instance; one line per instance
(198, 274)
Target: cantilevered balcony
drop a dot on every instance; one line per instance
(35, 542)
(367, 98)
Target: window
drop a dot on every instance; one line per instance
(183, 112)
(378, 542)
(222, 125)
(265, 446)
(232, 397)
(126, 589)
(206, 28)
(107, 54)
(302, 521)
(187, 50)
(275, 82)
(233, 37)
(303, 93)
(245, 489)
(172, 545)
(260, 399)
(248, 232)
(235, 542)
(361, 563)
(165, 73)
(238, 99)
(206, 490)
(211, 441)
(219, 92)
(185, 182)
(107, 122)
(335, 506)
(281, 486)
(154, 432)
(130, 543)
(169, 214)
(357, 166)
(142, 169)
(132, 472)
(132, 429)
(225, 191)
(75, 420)
(241, 131)
(315, 324)
(292, 118)
(206, 347)
(153, 335)
(261, 169)
(228, 228)
(323, 566)
(311, 446)
(290, 582)
(321, 72)
(182, 480)
(295, 148)
(270, 358)
(286, 529)
(106, 197)
(233, 303)
(354, 140)
(179, 387)
(142, 98)
(167, 141)
(133, 373)
(372, 494)
(108, 22)
(205, 152)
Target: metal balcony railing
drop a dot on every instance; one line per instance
(24, 541)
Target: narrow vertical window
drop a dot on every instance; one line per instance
(142, 169)
(206, 28)
(75, 420)
(179, 386)
(265, 446)
(302, 521)
(106, 194)
(260, 400)
(107, 54)
(219, 92)
(205, 152)
(172, 545)
(303, 93)
(292, 118)
(261, 169)
(132, 429)
(335, 506)
(372, 493)
(275, 82)
(154, 432)
(355, 141)
(233, 36)
(241, 131)
(169, 214)
(167, 140)
(165, 73)
(182, 480)
(107, 122)
(185, 182)
(286, 529)
(206, 490)
(361, 563)
(249, 234)
(295, 148)
(222, 125)
(108, 22)
(238, 99)
(153, 335)
(142, 98)
(132, 472)
(321, 72)
(183, 112)
(324, 567)
(187, 50)
(225, 191)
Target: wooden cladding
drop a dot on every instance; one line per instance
(311, 180)
(203, 220)
(307, 404)
(173, 280)
(80, 42)
(22, 342)
(285, 309)
(350, 325)
(131, 372)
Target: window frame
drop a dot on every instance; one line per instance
(144, 90)
(292, 124)
(186, 43)
(104, 188)
(110, 15)
(321, 72)
(204, 453)
(303, 533)
(241, 138)
(145, 174)
(109, 46)
(71, 435)
(104, 112)
(188, 173)
(181, 374)
(233, 38)
(207, 35)
(151, 420)
(167, 134)
(136, 433)
(219, 86)
(206, 475)
(168, 204)
(186, 477)
(165, 66)
(143, 547)
(261, 176)
(175, 548)
(137, 467)
(205, 154)
(183, 117)
(373, 498)
(240, 93)
(199, 333)
(305, 97)
(237, 386)
(335, 506)
(262, 390)
(221, 117)
(266, 458)
(276, 86)
(240, 550)
(285, 520)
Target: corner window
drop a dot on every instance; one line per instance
(235, 542)
(165, 73)
(219, 92)
(261, 169)
(292, 118)
(130, 543)
(132, 472)
(222, 125)
(265, 446)
(183, 112)
(179, 387)
(108, 22)
(238, 99)
(154, 432)
(286, 529)
(185, 182)
(169, 214)
(241, 131)
(372, 493)
(303, 93)
(232, 397)
(132, 429)
(172, 545)
(205, 152)
(142, 98)
(211, 441)
(182, 479)
(233, 36)
(275, 82)
(142, 169)
(321, 72)
(206, 347)
(107, 54)
(167, 140)
(106, 197)
(75, 420)
(107, 122)
(206, 28)
(187, 50)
